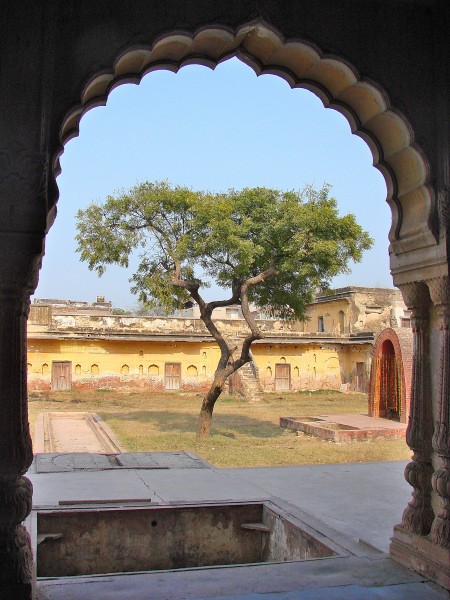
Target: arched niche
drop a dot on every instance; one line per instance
(192, 371)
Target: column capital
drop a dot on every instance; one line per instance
(416, 297)
(439, 290)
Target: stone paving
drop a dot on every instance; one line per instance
(350, 502)
(88, 461)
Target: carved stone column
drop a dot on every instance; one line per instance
(412, 544)
(19, 264)
(440, 532)
(418, 515)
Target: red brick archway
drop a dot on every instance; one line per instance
(390, 374)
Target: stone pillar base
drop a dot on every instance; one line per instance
(421, 555)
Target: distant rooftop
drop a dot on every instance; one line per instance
(99, 305)
(353, 289)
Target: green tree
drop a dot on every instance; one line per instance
(120, 311)
(267, 247)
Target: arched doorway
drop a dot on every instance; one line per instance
(390, 376)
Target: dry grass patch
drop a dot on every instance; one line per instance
(243, 434)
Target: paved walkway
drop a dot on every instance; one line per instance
(73, 432)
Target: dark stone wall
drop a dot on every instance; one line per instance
(50, 50)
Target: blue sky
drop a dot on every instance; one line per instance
(210, 130)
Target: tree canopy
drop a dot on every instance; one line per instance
(268, 247)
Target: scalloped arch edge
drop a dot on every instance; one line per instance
(302, 65)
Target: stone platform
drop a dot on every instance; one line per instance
(345, 428)
(356, 505)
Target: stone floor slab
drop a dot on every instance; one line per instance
(365, 500)
(335, 579)
(63, 463)
(161, 460)
(415, 591)
(87, 461)
(66, 432)
(52, 488)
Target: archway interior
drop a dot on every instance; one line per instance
(212, 130)
(389, 383)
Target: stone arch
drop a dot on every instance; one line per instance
(45, 369)
(94, 369)
(301, 64)
(66, 45)
(153, 370)
(394, 348)
(78, 370)
(125, 369)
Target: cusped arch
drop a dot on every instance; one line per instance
(302, 65)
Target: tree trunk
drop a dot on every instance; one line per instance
(205, 417)
(204, 421)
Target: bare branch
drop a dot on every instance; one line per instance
(256, 333)
(205, 313)
(235, 299)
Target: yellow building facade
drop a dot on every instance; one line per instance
(190, 365)
(80, 346)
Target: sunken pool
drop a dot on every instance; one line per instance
(100, 540)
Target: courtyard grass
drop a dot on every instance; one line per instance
(244, 434)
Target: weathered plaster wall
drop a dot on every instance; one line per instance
(141, 364)
(365, 309)
(121, 364)
(112, 351)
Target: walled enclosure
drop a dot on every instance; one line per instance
(383, 64)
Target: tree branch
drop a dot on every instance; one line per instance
(205, 314)
(255, 332)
